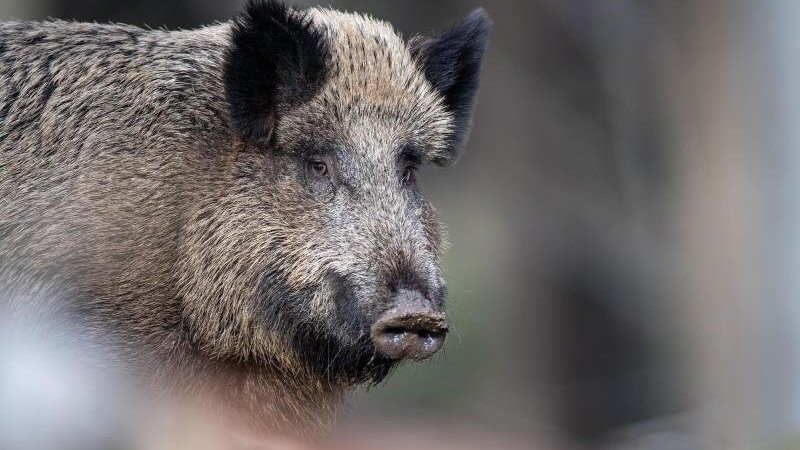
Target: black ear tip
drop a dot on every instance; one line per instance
(481, 16)
(259, 10)
(256, 5)
(479, 22)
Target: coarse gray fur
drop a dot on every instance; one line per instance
(131, 202)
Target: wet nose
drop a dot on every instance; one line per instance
(411, 329)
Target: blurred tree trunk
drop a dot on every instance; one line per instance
(718, 217)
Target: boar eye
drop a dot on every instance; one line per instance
(409, 175)
(318, 177)
(410, 159)
(318, 168)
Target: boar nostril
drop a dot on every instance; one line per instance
(394, 330)
(411, 330)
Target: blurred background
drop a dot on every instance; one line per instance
(625, 263)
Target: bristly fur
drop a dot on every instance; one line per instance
(452, 63)
(286, 51)
(158, 182)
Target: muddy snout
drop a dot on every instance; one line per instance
(412, 329)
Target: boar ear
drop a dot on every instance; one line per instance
(276, 59)
(452, 63)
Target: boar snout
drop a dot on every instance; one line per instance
(411, 329)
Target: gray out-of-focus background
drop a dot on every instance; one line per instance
(625, 263)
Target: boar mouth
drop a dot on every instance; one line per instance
(334, 360)
(336, 348)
